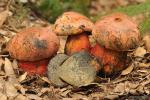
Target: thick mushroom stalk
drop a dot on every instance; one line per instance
(76, 43)
(112, 61)
(34, 67)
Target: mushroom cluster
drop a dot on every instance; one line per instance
(115, 34)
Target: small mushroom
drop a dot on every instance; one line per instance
(76, 27)
(78, 69)
(116, 32)
(33, 44)
(34, 67)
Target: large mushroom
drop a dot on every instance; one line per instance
(115, 34)
(76, 27)
(33, 44)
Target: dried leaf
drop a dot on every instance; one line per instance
(33, 97)
(127, 70)
(21, 97)
(11, 91)
(120, 88)
(23, 77)
(3, 96)
(144, 64)
(140, 52)
(146, 40)
(46, 80)
(3, 17)
(15, 64)
(8, 68)
(111, 97)
(20, 88)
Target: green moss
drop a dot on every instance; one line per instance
(133, 10)
(51, 9)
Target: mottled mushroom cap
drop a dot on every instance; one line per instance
(117, 32)
(72, 23)
(34, 43)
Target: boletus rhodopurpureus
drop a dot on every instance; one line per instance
(76, 26)
(33, 44)
(115, 34)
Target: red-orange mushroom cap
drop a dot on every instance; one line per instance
(117, 32)
(72, 23)
(32, 44)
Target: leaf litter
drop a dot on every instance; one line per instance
(133, 82)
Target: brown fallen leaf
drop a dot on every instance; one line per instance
(146, 40)
(127, 70)
(23, 77)
(3, 17)
(21, 97)
(11, 91)
(3, 96)
(20, 88)
(8, 68)
(15, 64)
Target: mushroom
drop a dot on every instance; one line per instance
(76, 43)
(115, 34)
(77, 28)
(32, 45)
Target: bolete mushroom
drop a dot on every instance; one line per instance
(32, 45)
(115, 34)
(76, 27)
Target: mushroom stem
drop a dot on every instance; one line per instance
(34, 67)
(76, 43)
(112, 61)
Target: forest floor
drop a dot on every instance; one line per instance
(132, 83)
